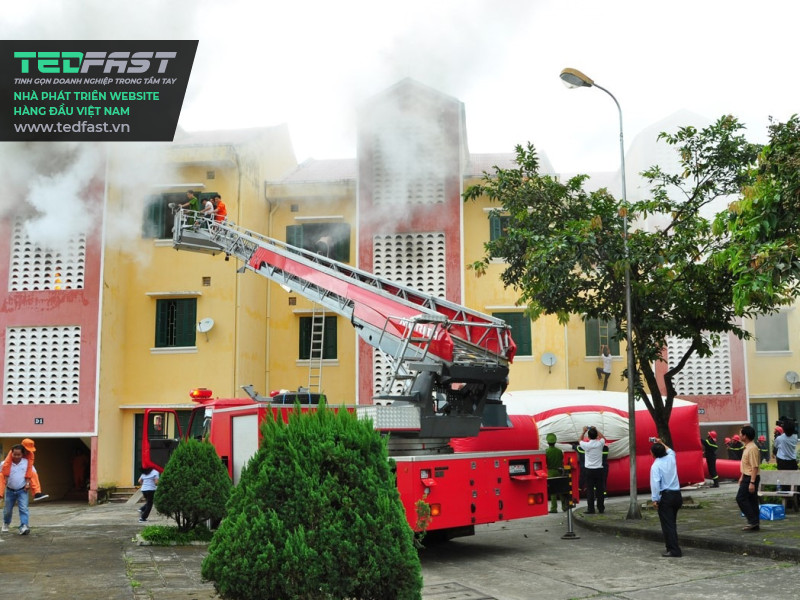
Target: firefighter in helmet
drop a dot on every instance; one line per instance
(736, 448)
(710, 452)
(763, 449)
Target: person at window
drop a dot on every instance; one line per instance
(594, 468)
(208, 212)
(665, 492)
(746, 497)
(605, 370)
(710, 453)
(192, 203)
(220, 210)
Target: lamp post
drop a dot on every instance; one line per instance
(573, 78)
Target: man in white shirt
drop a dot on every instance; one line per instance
(16, 492)
(593, 465)
(604, 372)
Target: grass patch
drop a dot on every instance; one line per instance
(162, 535)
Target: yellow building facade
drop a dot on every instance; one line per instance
(260, 331)
(152, 353)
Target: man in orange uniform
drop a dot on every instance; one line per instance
(30, 475)
(220, 210)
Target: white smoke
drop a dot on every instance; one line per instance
(58, 189)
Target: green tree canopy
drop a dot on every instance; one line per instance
(565, 250)
(765, 225)
(316, 515)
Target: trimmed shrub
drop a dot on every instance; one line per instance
(316, 515)
(194, 486)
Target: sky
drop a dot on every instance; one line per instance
(311, 64)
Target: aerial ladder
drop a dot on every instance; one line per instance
(452, 361)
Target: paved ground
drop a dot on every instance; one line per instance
(77, 551)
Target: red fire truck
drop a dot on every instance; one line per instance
(449, 370)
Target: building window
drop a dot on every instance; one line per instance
(158, 216)
(328, 239)
(758, 417)
(176, 322)
(601, 333)
(328, 340)
(789, 409)
(772, 332)
(498, 225)
(520, 330)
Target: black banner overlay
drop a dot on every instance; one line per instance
(72, 90)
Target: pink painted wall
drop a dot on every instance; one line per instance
(77, 307)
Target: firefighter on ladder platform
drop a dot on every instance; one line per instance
(710, 452)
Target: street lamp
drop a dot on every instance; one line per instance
(573, 78)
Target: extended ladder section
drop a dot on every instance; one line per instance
(456, 359)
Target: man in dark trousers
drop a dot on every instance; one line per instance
(785, 447)
(593, 447)
(665, 492)
(746, 497)
(555, 468)
(710, 452)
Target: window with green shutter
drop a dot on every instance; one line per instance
(328, 239)
(498, 224)
(520, 330)
(600, 333)
(176, 322)
(758, 417)
(329, 341)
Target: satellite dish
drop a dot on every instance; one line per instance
(793, 378)
(549, 359)
(205, 325)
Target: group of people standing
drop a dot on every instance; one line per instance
(592, 454)
(665, 489)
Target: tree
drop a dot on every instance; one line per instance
(194, 486)
(316, 515)
(564, 249)
(765, 225)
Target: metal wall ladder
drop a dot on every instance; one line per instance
(316, 350)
